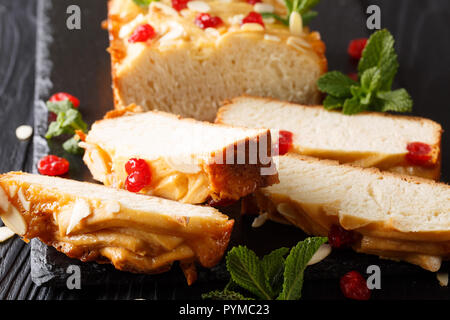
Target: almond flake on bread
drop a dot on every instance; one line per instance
(190, 161)
(192, 74)
(397, 217)
(367, 139)
(135, 233)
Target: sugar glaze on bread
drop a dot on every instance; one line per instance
(396, 216)
(191, 161)
(368, 139)
(92, 222)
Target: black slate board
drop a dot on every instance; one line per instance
(76, 62)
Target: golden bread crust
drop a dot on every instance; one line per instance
(424, 248)
(121, 237)
(395, 163)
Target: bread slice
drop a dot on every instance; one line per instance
(189, 71)
(366, 139)
(190, 161)
(395, 216)
(95, 223)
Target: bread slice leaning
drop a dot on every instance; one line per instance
(368, 139)
(395, 216)
(189, 71)
(133, 232)
(190, 161)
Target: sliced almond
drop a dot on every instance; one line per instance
(24, 132)
(81, 210)
(323, 252)
(269, 20)
(236, 19)
(4, 201)
(176, 32)
(263, 7)
(295, 24)
(252, 27)
(199, 6)
(25, 203)
(212, 32)
(270, 37)
(127, 29)
(442, 278)
(260, 220)
(163, 7)
(14, 220)
(5, 233)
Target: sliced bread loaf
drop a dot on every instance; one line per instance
(190, 161)
(395, 216)
(91, 222)
(366, 139)
(189, 70)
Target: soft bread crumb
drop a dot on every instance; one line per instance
(5, 234)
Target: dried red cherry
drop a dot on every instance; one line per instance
(62, 96)
(142, 33)
(284, 142)
(179, 4)
(253, 17)
(53, 166)
(205, 20)
(419, 153)
(338, 237)
(356, 47)
(253, 2)
(139, 175)
(354, 286)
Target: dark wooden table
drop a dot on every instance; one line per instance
(422, 31)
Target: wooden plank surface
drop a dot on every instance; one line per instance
(421, 30)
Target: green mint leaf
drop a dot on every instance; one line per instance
(296, 263)
(289, 5)
(331, 102)
(74, 120)
(352, 106)
(380, 52)
(246, 270)
(304, 6)
(273, 266)
(224, 295)
(371, 79)
(143, 3)
(275, 16)
(59, 106)
(56, 128)
(71, 146)
(336, 84)
(397, 100)
(308, 16)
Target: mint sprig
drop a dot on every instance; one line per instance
(272, 277)
(68, 120)
(143, 3)
(372, 92)
(303, 7)
(296, 263)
